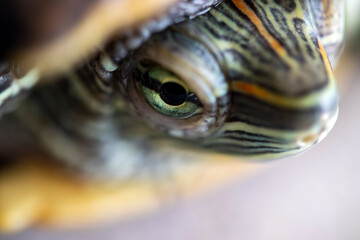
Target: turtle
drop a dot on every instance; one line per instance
(249, 78)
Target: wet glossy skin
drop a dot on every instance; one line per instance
(250, 78)
(259, 70)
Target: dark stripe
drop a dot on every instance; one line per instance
(253, 111)
(253, 136)
(248, 150)
(243, 23)
(62, 106)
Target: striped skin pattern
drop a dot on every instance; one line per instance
(280, 82)
(282, 108)
(258, 67)
(328, 16)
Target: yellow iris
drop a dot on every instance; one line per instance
(165, 92)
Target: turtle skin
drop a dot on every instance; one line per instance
(116, 52)
(236, 102)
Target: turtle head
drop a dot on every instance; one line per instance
(249, 77)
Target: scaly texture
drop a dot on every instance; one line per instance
(258, 69)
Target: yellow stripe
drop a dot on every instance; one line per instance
(287, 102)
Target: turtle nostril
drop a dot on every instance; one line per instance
(173, 93)
(308, 140)
(327, 122)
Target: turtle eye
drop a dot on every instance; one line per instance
(165, 92)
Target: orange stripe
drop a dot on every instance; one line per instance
(264, 95)
(255, 20)
(326, 60)
(252, 90)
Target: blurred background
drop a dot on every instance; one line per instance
(314, 196)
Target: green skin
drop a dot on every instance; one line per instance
(249, 78)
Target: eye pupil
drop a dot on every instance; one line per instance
(173, 93)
